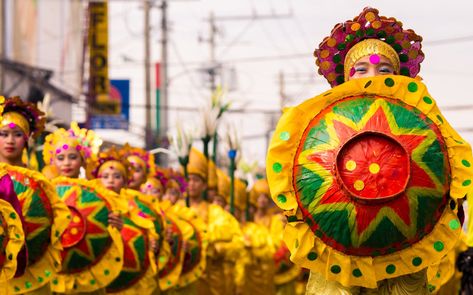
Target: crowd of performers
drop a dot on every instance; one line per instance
(109, 221)
(369, 176)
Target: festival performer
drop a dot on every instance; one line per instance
(286, 272)
(222, 228)
(92, 242)
(137, 275)
(369, 173)
(142, 163)
(44, 214)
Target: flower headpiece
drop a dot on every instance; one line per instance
(333, 58)
(139, 156)
(177, 180)
(85, 141)
(108, 158)
(25, 115)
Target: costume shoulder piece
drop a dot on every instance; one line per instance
(369, 174)
(46, 219)
(92, 254)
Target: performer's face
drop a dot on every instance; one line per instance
(152, 190)
(68, 162)
(138, 176)
(262, 201)
(12, 142)
(112, 179)
(172, 194)
(369, 67)
(219, 200)
(197, 185)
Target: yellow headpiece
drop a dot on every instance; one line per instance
(139, 156)
(152, 182)
(212, 181)
(223, 185)
(369, 47)
(106, 159)
(13, 119)
(197, 164)
(259, 187)
(240, 194)
(25, 115)
(85, 141)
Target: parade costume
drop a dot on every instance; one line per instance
(358, 218)
(44, 214)
(90, 245)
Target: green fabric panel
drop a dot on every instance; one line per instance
(317, 135)
(405, 118)
(308, 183)
(354, 109)
(334, 224)
(435, 160)
(427, 206)
(385, 235)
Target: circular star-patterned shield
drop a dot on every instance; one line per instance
(369, 174)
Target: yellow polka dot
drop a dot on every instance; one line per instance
(359, 185)
(74, 231)
(324, 53)
(331, 77)
(355, 27)
(374, 168)
(325, 65)
(399, 36)
(76, 219)
(331, 42)
(413, 54)
(406, 44)
(350, 165)
(370, 16)
(376, 24)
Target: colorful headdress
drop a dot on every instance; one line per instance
(223, 184)
(335, 55)
(259, 187)
(198, 164)
(159, 179)
(139, 156)
(108, 158)
(25, 115)
(212, 181)
(85, 141)
(177, 180)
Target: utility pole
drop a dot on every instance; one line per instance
(147, 47)
(3, 41)
(162, 112)
(213, 66)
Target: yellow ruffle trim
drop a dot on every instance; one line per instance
(298, 236)
(187, 215)
(108, 268)
(16, 240)
(39, 274)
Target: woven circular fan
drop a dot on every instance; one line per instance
(175, 247)
(369, 165)
(92, 251)
(136, 259)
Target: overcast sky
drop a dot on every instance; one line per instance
(256, 50)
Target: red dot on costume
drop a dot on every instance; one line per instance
(352, 72)
(375, 59)
(11, 125)
(78, 148)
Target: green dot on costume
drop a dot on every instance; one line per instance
(389, 82)
(440, 118)
(341, 46)
(337, 58)
(17, 236)
(397, 47)
(40, 279)
(291, 218)
(118, 259)
(466, 163)
(340, 79)
(390, 39)
(335, 269)
(417, 261)
(10, 256)
(12, 215)
(405, 71)
(17, 289)
(357, 273)
(431, 288)
(360, 33)
(438, 246)
(312, 256)
(427, 100)
(55, 282)
(339, 69)
(327, 94)
(169, 283)
(296, 244)
(390, 269)
(47, 273)
(319, 234)
(381, 34)
(370, 32)
(452, 204)
(282, 199)
(412, 87)
(56, 234)
(438, 274)
(403, 57)
(349, 38)
(277, 167)
(28, 285)
(284, 135)
(92, 282)
(466, 182)
(368, 84)
(454, 224)
(106, 272)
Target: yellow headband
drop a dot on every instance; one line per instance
(152, 182)
(114, 165)
(12, 119)
(368, 47)
(137, 160)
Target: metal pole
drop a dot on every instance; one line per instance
(148, 128)
(3, 41)
(213, 66)
(162, 129)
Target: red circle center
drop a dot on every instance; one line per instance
(373, 167)
(76, 229)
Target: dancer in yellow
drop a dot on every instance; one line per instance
(354, 167)
(45, 215)
(92, 242)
